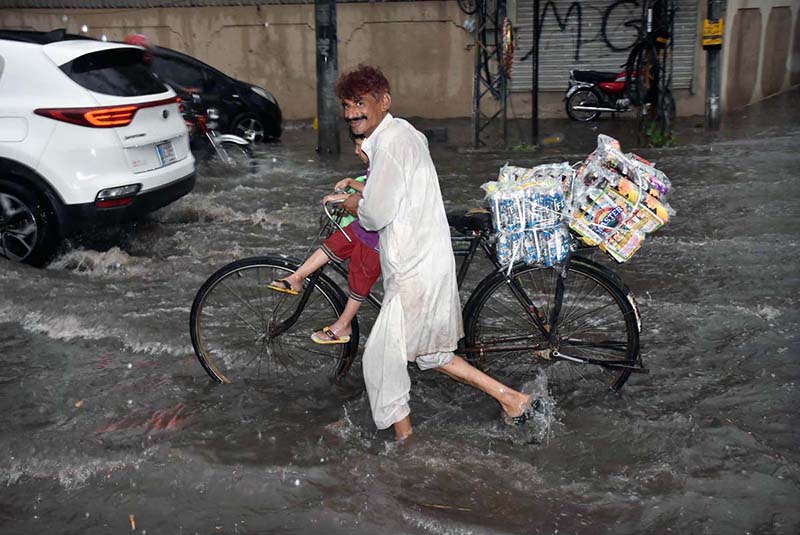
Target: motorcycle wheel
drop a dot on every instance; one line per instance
(241, 157)
(583, 97)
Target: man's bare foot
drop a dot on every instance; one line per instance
(530, 407)
(403, 429)
(517, 404)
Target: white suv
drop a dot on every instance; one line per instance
(88, 136)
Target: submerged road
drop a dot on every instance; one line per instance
(110, 425)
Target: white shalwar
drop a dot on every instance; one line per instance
(420, 318)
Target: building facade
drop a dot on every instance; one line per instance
(426, 48)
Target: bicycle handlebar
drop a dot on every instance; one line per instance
(333, 218)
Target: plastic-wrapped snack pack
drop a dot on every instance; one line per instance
(612, 201)
(527, 212)
(618, 199)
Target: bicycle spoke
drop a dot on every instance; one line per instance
(590, 317)
(595, 322)
(245, 303)
(234, 320)
(496, 310)
(511, 364)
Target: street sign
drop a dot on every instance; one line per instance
(712, 33)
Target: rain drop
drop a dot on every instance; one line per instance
(84, 28)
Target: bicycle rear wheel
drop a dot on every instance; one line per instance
(597, 321)
(235, 318)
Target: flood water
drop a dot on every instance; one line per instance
(110, 425)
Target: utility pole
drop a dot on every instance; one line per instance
(327, 72)
(535, 76)
(489, 78)
(712, 43)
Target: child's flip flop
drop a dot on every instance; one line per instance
(332, 337)
(282, 285)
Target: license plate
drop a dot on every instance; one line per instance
(166, 153)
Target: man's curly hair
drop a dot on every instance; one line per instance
(360, 81)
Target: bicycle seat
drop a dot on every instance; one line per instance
(594, 77)
(476, 219)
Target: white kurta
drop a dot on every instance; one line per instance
(421, 311)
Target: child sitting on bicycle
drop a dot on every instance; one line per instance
(361, 249)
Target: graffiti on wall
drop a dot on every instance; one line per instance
(621, 21)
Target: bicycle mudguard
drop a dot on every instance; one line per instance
(287, 261)
(609, 274)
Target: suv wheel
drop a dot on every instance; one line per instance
(26, 231)
(248, 127)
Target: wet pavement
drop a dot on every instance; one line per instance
(110, 424)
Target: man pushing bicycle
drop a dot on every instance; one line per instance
(420, 318)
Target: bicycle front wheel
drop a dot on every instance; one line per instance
(242, 330)
(508, 322)
(240, 157)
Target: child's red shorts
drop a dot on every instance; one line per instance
(365, 262)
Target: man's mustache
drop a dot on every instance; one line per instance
(353, 119)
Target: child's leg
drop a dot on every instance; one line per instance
(365, 268)
(312, 263)
(336, 247)
(342, 325)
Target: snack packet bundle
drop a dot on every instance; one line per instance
(608, 163)
(659, 184)
(527, 211)
(620, 198)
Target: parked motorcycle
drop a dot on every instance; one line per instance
(591, 93)
(207, 145)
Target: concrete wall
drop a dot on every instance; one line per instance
(761, 50)
(420, 46)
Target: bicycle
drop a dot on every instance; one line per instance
(649, 69)
(580, 317)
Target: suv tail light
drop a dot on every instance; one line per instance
(118, 196)
(101, 116)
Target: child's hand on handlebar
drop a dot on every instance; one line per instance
(343, 184)
(334, 198)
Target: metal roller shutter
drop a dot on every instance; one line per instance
(592, 35)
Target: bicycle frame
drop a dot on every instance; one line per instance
(467, 246)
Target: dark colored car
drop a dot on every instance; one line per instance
(245, 109)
